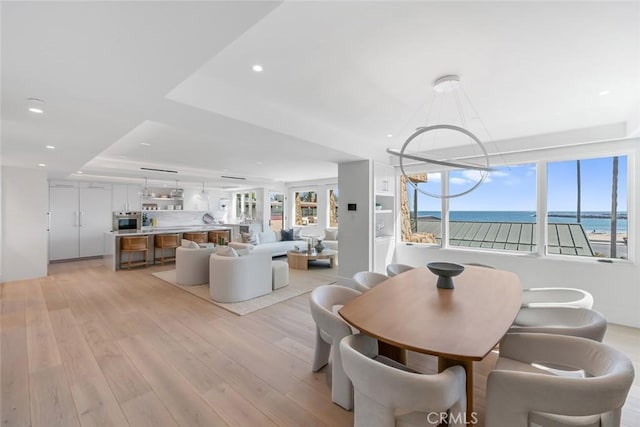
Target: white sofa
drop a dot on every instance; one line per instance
(270, 241)
(233, 279)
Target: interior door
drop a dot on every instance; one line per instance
(64, 223)
(95, 218)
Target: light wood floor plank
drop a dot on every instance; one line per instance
(14, 372)
(180, 398)
(51, 400)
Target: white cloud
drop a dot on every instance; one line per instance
(434, 177)
(458, 181)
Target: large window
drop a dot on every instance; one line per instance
(499, 214)
(306, 207)
(587, 207)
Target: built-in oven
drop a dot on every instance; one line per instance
(127, 220)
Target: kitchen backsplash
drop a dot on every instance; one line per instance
(175, 218)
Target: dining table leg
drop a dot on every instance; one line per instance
(444, 363)
(392, 352)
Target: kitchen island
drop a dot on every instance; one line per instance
(112, 240)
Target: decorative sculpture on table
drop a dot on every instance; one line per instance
(445, 271)
(319, 246)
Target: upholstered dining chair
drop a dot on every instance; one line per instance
(577, 322)
(366, 280)
(556, 297)
(330, 329)
(395, 269)
(519, 392)
(380, 389)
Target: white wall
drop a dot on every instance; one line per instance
(25, 196)
(355, 238)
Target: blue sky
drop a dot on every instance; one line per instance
(514, 188)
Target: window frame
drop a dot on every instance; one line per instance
(543, 158)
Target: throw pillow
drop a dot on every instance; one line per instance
(296, 233)
(250, 238)
(287, 235)
(189, 244)
(229, 251)
(330, 234)
(206, 245)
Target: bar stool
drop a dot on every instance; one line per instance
(166, 241)
(199, 237)
(215, 236)
(129, 244)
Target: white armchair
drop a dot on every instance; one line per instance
(577, 322)
(192, 265)
(233, 279)
(395, 269)
(381, 389)
(518, 393)
(330, 329)
(556, 297)
(366, 280)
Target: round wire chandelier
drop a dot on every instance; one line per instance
(449, 83)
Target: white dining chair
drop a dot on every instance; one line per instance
(577, 322)
(382, 386)
(330, 329)
(366, 280)
(395, 269)
(521, 392)
(556, 297)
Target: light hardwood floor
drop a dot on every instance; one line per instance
(87, 346)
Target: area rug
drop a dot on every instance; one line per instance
(300, 282)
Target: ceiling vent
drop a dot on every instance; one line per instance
(159, 170)
(233, 177)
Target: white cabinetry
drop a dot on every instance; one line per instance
(384, 216)
(80, 213)
(126, 198)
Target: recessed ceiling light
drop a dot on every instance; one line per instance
(42, 165)
(146, 144)
(79, 172)
(257, 68)
(35, 105)
(50, 147)
(605, 92)
(389, 135)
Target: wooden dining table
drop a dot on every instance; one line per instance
(459, 326)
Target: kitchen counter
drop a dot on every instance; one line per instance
(112, 240)
(161, 230)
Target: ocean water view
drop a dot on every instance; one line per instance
(596, 222)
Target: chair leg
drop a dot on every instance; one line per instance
(321, 354)
(341, 387)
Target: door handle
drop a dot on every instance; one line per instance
(48, 221)
(80, 216)
(77, 222)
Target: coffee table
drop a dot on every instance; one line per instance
(300, 260)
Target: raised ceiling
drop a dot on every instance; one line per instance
(338, 78)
